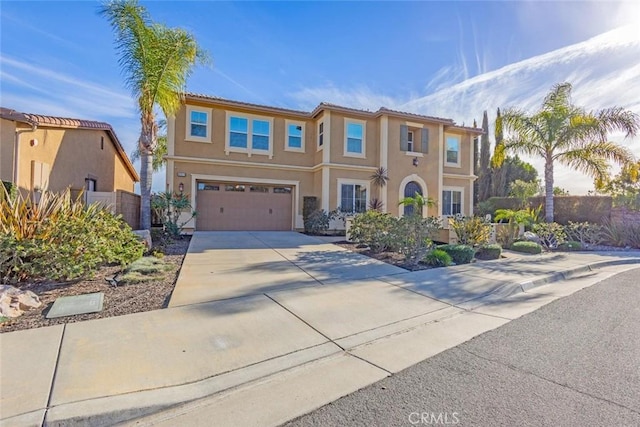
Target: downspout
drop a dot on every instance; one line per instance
(16, 150)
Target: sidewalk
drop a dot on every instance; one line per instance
(272, 353)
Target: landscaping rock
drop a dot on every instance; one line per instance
(14, 302)
(145, 237)
(531, 237)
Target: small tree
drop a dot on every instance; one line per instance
(379, 180)
(171, 206)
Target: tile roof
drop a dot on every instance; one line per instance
(327, 105)
(65, 122)
(243, 104)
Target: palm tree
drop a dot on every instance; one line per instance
(379, 180)
(567, 134)
(418, 201)
(156, 62)
(158, 160)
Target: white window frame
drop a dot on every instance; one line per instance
(362, 183)
(362, 123)
(193, 138)
(410, 141)
(462, 204)
(446, 162)
(320, 134)
(249, 149)
(288, 123)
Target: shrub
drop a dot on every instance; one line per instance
(527, 247)
(584, 232)
(570, 246)
(617, 234)
(318, 221)
(460, 254)
(438, 258)
(60, 238)
(472, 231)
(412, 236)
(373, 228)
(486, 252)
(551, 234)
(309, 205)
(170, 206)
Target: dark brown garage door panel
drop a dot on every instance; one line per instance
(223, 209)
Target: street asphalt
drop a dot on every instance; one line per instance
(573, 362)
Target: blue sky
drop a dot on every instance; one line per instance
(451, 59)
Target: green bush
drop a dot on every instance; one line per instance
(460, 254)
(527, 247)
(486, 252)
(374, 229)
(472, 231)
(170, 207)
(60, 238)
(438, 258)
(551, 234)
(413, 235)
(570, 246)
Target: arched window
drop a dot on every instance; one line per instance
(410, 190)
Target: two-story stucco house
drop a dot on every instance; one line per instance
(54, 153)
(249, 167)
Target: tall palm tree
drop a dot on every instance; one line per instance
(561, 132)
(158, 159)
(156, 62)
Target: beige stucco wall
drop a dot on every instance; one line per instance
(401, 166)
(73, 155)
(371, 138)
(215, 149)
(7, 140)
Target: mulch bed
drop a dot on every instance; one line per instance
(392, 258)
(120, 300)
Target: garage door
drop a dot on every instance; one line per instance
(236, 206)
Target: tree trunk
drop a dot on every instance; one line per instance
(148, 142)
(146, 174)
(548, 189)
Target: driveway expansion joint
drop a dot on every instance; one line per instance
(53, 377)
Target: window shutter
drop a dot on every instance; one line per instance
(425, 140)
(404, 138)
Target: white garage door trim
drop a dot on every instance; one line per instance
(297, 219)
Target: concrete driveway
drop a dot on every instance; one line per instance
(230, 264)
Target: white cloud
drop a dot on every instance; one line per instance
(604, 70)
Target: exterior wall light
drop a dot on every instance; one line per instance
(415, 161)
(181, 187)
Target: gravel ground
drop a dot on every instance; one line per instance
(120, 300)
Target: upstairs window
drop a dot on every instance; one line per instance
(250, 134)
(198, 126)
(295, 136)
(320, 134)
(354, 138)
(238, 131)
(452, 151)
(260, 139)
(414, 139)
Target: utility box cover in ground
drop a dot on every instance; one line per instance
(77, 304)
